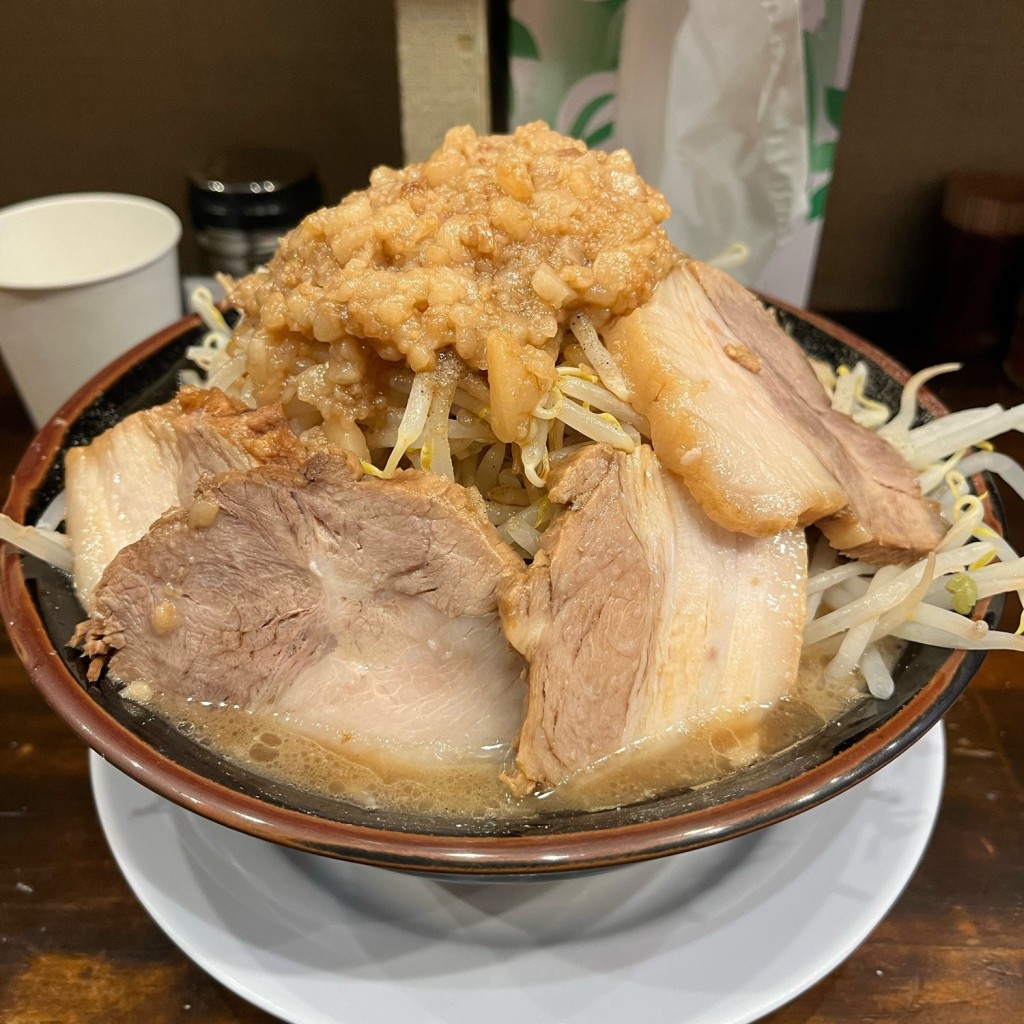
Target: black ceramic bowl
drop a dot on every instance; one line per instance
(41, 612)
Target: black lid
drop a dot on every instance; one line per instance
(253, 188)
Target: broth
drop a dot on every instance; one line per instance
(376, 777)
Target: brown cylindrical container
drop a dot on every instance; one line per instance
(981, 264)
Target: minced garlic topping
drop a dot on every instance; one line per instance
(488, 247)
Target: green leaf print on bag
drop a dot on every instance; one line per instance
(597, 135)
(563, 62)
(520, 42)
(824, 101)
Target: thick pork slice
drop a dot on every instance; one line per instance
(737, 412)
(363, 609)
(713, 421)
(128, 476)
(640, 616)
(115, 487)
(885, 518)
(216, 433)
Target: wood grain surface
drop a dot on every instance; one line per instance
(77, 948)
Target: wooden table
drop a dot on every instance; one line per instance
(76, 947)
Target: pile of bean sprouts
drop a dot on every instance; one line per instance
(852, 606)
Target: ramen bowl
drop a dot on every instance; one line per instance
(41, 612)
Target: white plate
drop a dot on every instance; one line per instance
(719, 935)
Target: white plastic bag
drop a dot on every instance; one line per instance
(730, 107)
(711, 104)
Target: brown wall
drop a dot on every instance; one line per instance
(126, 95)
(937, 85)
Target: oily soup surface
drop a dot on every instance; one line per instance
(376, 777)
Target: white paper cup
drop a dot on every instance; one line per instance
(82, 279)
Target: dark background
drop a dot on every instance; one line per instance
(127, 96)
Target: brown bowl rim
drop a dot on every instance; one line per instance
(467, 855)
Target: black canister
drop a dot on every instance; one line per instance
(244, 199)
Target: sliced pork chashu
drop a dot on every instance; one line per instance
(640, 615)
(130, 475)
(737, 412)
(713, 421)
(885, 518)
(358, 607)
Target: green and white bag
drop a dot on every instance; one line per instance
(730, 107)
